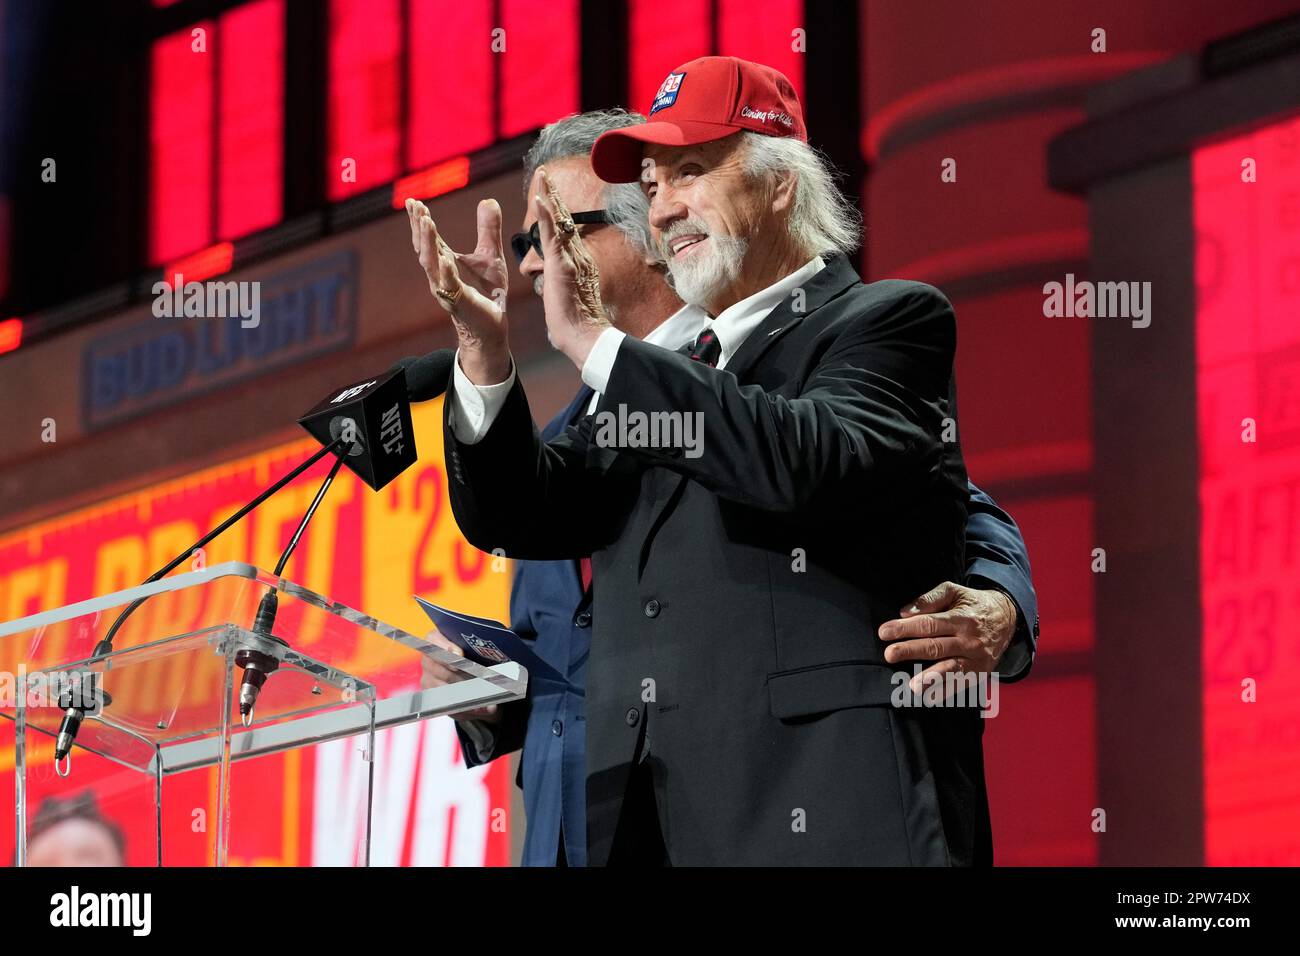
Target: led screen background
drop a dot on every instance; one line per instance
(1247, 212)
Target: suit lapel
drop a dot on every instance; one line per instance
(573, 413)
(578, 407)
(837, 276)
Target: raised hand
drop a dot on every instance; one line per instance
(575, 316)
(471, 287)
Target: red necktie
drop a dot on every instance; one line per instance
(585, 564)
(706, 349)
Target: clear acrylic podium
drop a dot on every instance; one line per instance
(171, 686)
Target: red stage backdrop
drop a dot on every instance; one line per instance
(1247, 207)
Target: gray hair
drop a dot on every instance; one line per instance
(626, 204)
(822, 219)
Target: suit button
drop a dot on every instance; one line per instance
(557, 727)
(652, 608)
(633, 716)
(582, 619)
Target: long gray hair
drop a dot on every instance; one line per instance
(822, 219)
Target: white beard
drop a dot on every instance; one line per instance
(699, 278)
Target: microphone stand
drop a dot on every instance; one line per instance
(74, 712)
(258, 665)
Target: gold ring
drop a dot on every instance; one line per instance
(450, 296)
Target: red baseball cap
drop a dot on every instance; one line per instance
(703, 100)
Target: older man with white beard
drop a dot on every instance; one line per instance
(550, 600)
(736, 711)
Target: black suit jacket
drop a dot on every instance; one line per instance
(737, 593)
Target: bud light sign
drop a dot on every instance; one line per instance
(304, 312)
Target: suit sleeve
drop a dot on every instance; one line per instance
(869, 418)
(996, 558)
(536, 500)
(482, 742)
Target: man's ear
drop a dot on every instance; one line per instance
(783, 190)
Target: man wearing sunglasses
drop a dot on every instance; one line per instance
(993, 611)
(521, 242)
(550, 601)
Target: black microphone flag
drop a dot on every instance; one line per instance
(374, 416)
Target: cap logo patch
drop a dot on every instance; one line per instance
(667, 94)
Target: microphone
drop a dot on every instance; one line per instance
(367, 426)
(370, 423)
(373, 419)
(81, 695)
(259, 665)
(427, 376)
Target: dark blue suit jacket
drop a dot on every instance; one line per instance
(547, 605)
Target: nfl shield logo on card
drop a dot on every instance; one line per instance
(485, 648)
(667, 94)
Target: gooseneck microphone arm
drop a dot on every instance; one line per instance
(73, 715)
(258, 665)
(425, 377)
(429, 376)
(106, 645)
(315, 503)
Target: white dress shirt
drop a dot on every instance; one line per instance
(475, 407)
(732, 326)
(677, 331)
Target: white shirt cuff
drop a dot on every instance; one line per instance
(473, 408)
(600, 360)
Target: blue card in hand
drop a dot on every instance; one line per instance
(487, 642)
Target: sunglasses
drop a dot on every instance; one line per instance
(521, 242)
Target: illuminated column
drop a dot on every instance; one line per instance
(1196, 472)
(959, 103)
